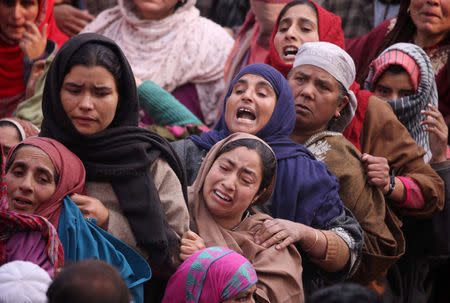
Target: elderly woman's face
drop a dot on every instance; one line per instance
(298, 26)
(30, 180)
(232, 184)
(155, 9)
(316, 95)
(89, 97)
(250, 105)
(13, 16)
(431, 17)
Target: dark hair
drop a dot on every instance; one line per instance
(294, 3)
(13, 157)
(344, 293)
(5, 123)
(88, 281)
(95, 54)
(342, 92)
(268, 159)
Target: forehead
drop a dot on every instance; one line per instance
(253, 80)
(300, 11)
(242, 157)
(34, 156)
(315, 72)
(400, 80)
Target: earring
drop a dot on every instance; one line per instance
(338, 115)
(408, 11)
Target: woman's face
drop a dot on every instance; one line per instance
(8, 138)
(14, 14)
(244, 297)
(30, 180)
(89, 97)
(316, 95)
(431, 17)
(296, 27)
(155, 9)
(232, 184)
(250, 105)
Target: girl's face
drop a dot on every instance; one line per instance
(30, 180)
(232, 184)
(431, 17)
(298, 26)
(89, 97)
(250, 105)
(14, 14)
(155, 9)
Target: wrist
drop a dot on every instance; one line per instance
(391, 185)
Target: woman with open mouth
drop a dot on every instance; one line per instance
(237, 174)
(260, 102)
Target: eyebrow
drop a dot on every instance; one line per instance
(246, 170)
(40, 169)
(302, 20)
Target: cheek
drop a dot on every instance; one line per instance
(277, 42)
(31, 13)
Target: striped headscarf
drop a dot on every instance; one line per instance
(407, 109)
(214, 274)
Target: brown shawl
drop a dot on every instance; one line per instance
(279, 272)
(384, 243)
(384, 136)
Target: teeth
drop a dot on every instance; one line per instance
(222, 196)
(290, 50)
(244, 110)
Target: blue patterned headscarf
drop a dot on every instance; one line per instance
(305, 191)
(214, 274)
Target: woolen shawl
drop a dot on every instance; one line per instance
(329, 28)
(213, 274)
(11, 57)
(70, 170)
(407, 109)
(278, 283)
(311, 200)
(121, 154)
(178, 49)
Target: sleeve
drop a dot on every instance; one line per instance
(163, 107)
(384, 136)
(171, 196)
(414, 197)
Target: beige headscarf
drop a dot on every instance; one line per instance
(279, 272)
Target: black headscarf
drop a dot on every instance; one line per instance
(121, 154)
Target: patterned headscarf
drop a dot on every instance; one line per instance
(407, 109)
(214, 274)
(3, 201)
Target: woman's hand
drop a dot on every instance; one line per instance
(438, 133)
(190, 244)
(33, 42)
(36, 73)
(377, 169)
(280, 232)
(71, 20)
(92, 208)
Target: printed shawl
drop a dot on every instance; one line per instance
(407, 109)
(12, 223)
(213, 274)
(313, 201)
(179, 49)
(277, 283)
(121, 154)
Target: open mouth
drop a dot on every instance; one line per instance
(21, 203)
(222, 196)
(246, 114)
(290, 52)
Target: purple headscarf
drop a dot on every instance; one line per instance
(305, 191)
(213, 274)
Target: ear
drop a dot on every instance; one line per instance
(344, 102)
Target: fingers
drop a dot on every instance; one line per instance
(276, 238)
(264, 232)
(190, 235)
(285, 243)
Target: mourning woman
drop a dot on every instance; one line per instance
(135, 183)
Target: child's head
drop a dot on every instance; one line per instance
(89, 281)
(394, 83)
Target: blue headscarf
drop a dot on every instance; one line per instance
(305, 191)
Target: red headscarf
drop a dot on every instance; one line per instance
(11, 58)
(330, 30)
(71, 175)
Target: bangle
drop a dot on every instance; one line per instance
(314, 244)
(391, 184)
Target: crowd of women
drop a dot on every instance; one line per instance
(268, 166)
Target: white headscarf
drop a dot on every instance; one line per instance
(337, 63)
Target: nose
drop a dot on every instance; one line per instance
(433, 2)
(291, 33)
(17, 11)
(26, 186)
(248, 94)
(86, 103)
(307, 90)
(229, 183)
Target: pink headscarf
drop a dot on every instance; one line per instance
(213, 274)
(71, 175)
